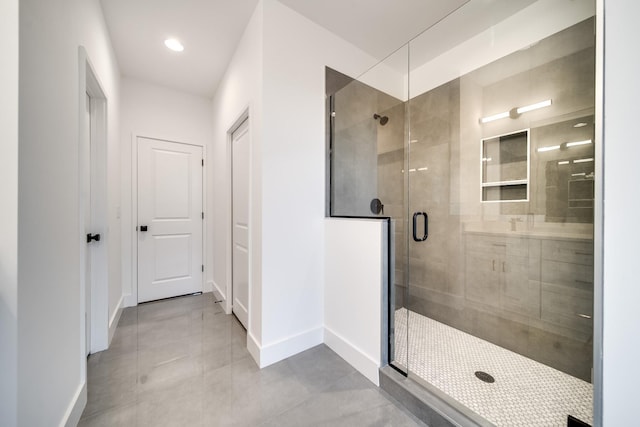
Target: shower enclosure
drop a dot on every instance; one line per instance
(477, 139)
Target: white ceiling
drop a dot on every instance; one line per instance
(211, 29)
(378, 27)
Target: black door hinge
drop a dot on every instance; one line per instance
(202, 215)
(202, 162)
(203, 268)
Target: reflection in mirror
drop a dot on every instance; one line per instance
(565, 162)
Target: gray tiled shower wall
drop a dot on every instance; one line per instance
(523, 314)
(358, 139)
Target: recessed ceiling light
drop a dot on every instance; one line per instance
(174, 45)
(579, 125)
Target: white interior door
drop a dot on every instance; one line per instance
(170, 219)
(86, 195)
(240, 229)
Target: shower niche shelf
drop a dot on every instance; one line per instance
(505, 167)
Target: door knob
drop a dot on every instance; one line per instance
(91, 237)
(143, 228)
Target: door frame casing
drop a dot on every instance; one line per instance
(228, 298)
(132, 300)
(90, 84)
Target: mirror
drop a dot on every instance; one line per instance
(566, 172)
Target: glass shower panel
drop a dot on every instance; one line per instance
(500, 172)
(367, 160)
(367, 123)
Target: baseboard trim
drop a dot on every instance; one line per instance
(253, 346)
(217, 288)
(208, 286)
(279, 350)
(76, 407)
(129, 301)
(222, 296)
(115, 319)
(365, 364)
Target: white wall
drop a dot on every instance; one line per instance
(390, 76)
(277, 74)
(157, 112)
(9, 211)
(239, 91)
(621, 348)
(295, 54)
(355, 265)
(93, 35)
(51, 363)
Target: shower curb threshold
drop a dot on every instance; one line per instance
(427, 403)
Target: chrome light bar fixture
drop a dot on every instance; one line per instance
(514, 113)
(564, 145)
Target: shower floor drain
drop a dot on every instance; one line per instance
(483, 376)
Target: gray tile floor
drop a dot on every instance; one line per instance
(183, 362)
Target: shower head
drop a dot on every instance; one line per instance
(383, 119)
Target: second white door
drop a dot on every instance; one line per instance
(170, 218)
(86, 193)
(240, 230)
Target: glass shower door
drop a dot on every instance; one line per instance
(499, 202)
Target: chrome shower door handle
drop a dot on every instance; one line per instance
(415, 226)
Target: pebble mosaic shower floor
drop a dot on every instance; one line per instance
(525, 392)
